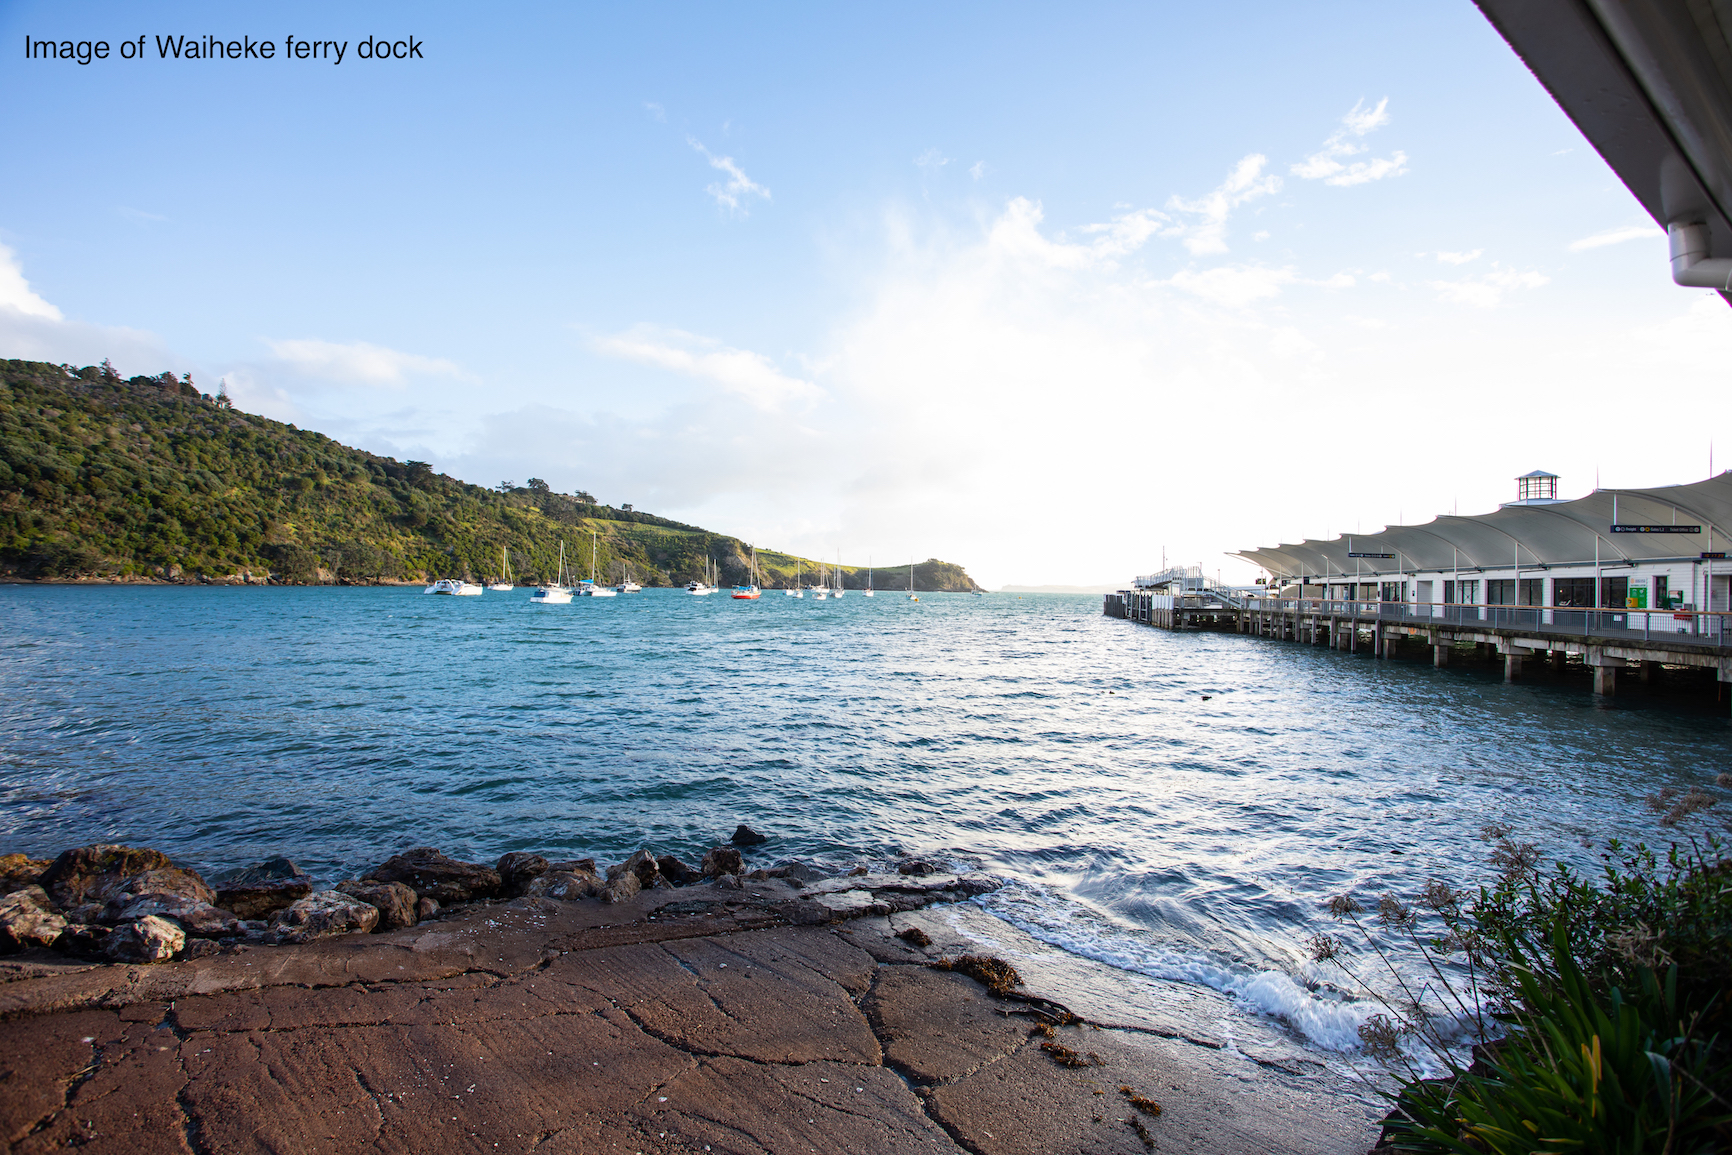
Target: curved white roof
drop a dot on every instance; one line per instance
(1561, 533)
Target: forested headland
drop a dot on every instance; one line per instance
(149, 479)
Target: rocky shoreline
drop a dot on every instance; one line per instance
(435, 1005)
(132, 905)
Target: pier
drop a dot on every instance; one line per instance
(1598, 581)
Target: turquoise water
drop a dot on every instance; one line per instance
(1145, 826)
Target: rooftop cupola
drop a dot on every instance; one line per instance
(1536, 488)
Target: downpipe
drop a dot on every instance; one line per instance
(1691, 264)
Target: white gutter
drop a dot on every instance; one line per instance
(1691, 264)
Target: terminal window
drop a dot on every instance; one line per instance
(1573, 592)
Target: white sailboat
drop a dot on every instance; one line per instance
(701, 587)
(837, 592)
(629, 585)
(751, 591)
(587, 587)
(794, 591)
(868, 591)
(821, 589)
(912, 596)
(557, 594)
(504, 583)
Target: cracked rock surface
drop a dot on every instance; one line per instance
(723, 1022)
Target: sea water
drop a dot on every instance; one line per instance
(1177, 807)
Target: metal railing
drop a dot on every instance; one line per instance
(1694, 627)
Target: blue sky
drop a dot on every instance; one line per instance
(891, 280)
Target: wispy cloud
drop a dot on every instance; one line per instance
(656, 111)
(733, 194)
(133, 214)
(1234, 286)
(977, 169)
(740, 371)
(1617, 237)
(358, 362)
(1459, 258)
(1328, 163)
(1206, 231)
(16, 293)
(931, 159)
(1488, 291)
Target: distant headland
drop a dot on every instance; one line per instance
(146, 479)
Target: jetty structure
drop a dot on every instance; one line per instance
(1620, 579)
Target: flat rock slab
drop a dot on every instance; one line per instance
(679, 1022)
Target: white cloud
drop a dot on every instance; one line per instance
(1261, 235)
(657, 111)
(1618, 237)
(739, 187)
(1327, 163)
(1233, 286)
(977, 169)
(740, 371)
(931, 159)
(1207, 232)
(1488, 291)
(1459, 258)
(15, 291)
(358, 362)
(133, 214)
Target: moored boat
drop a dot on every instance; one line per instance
(455, 587)
(557, 594)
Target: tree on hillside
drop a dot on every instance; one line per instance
(585, 497)
(420, 474)
(539, 485)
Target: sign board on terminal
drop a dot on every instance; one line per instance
(1713, 555)
(1370, 555)
(1656, 529)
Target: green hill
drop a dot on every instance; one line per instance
(148, 479)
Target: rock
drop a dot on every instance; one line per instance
(796, 872)
(721, 860)
(96, 873)
(577, 865)
(151, 939)
(426, 909)
(758, 875)
(168, 882)
(569, 885)
(518, 868)
(642, 864)
(622, 889)
(324, 913)
(915, 867)
(260, 891)
(745, 836)
(201, 948)
(730, 882)
(394, 901)
(859, 872)
(196, 918)
(17, 871)
(83, 939)
(27, 920)
(432, 875)
(676, 872)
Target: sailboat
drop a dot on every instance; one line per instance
(557, 594)
(794, 591)
(701, 587)
(629, 585)
(837, 592)
(868, 590)
(504, 583)
(912, 596)
(587, 587)
(750, 591)
(821, 589)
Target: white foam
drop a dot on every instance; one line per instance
(1326, 1019)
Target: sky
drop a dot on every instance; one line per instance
(1055, 294)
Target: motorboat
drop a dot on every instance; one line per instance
(557, 594)
(454, 587)
(503, 585)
